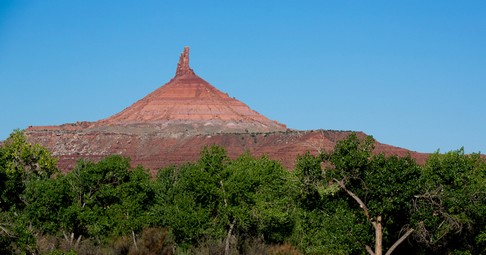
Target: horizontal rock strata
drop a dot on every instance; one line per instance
(171, 124)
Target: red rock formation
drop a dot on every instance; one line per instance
(183, 65)
(189, 104)
(171, 124)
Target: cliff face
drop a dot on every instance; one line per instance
(154, 149)
(171, 124)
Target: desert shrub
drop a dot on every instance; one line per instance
(283, 249)
(153, 241)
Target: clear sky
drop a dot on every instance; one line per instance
(410, 73)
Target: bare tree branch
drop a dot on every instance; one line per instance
(399, 241)
(5, 230)
(369, 250)
(226, 247)
(224, 194)
(356, 198)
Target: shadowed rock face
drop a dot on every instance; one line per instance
(171, 124)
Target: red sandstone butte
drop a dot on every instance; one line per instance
(171, 124)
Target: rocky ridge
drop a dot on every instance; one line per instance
(171, 124)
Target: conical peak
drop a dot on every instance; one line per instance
(188, 103)
(183, 65)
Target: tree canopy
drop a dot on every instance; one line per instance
(349, 200)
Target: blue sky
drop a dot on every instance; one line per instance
(410, 73)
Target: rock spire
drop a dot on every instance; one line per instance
(183, 65)
(189, 104)
(170, 125)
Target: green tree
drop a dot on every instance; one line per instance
(46, 204)
(219, 198)
(326, 223)
(378, 190)
(21, 164)
(258, 198)
(188, 197)
(382, 188)
(109, 198)
(450, 210)
(100, 200)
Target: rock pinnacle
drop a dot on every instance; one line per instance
(183, 65)
(189, 104)
(171, 124)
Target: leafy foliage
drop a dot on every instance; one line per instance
(108, 199)
(216, 197)
(259, 198)
(365, 189)
(332, 203)
(451, 208)
(21, 162)
(327, 224)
